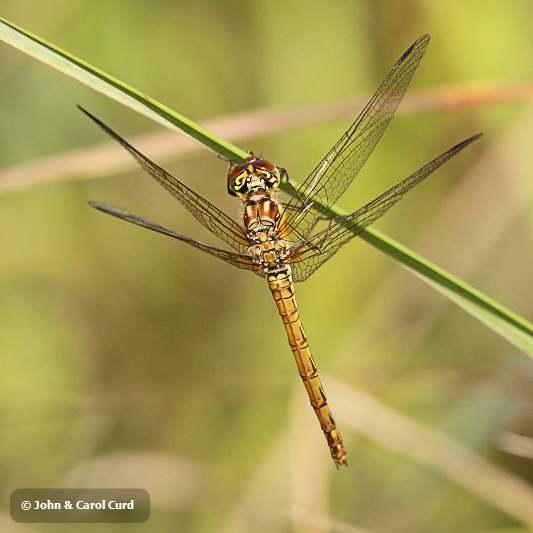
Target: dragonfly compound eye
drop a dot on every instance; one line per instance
(264, 165)
(237, 177)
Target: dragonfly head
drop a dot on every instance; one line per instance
(252, 175)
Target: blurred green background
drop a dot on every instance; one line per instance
(131, 360)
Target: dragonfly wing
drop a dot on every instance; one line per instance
(342, 163)
(307, 256)
(239, 260)
(216, 221)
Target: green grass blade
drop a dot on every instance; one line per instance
(503, 321)
(509, 325)
(104, 83)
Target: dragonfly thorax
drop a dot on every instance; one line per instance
(261, 212)
(261, 220)
(269, 251)
(251, 176)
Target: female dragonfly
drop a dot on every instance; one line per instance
(280, 241)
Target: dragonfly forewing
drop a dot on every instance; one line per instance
(332, 176)
(212, 218)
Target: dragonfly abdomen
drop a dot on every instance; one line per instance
(282, 288)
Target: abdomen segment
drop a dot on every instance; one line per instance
(282, 287)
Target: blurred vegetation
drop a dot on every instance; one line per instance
(129, 360)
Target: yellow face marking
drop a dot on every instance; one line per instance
(252, 174)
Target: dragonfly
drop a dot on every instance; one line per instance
(282, 241)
